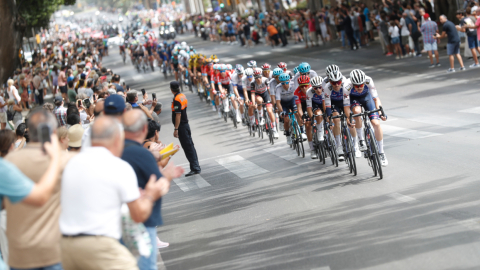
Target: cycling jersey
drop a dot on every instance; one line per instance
(224, 80)
(313, 99)
(174, 60)
(369, 87)
(260, 88)
(365, 97)
(338, 99)
(284, 95)
(272, 85)
(247, 84)
(312, 74)
(237, 81)
(327, 80)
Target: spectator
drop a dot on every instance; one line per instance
(472, 40)
(339, 24)
(414, 32)
(247, 33)
(347, 26)
(157, 110)
(3, 112)
(429, 30)
(355, 25)
(368, 22)
(33, 233)
(13, 92)
(116, 82)
(395, 37)
(21, 140)
(405, 34)
(7, 140)
(312, 31)
(60, 111)
(272, 34)
(383, 26)
(62, 133)
(144, 164)
(71, 94)
(62, 82)
(296, 30)
(16, 111)
(75, 134)
(91, 201)
(453, 42)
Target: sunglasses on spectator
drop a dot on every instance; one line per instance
(336, 83)
(285, 83)
(359, 85)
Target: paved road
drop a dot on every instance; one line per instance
(257, 206)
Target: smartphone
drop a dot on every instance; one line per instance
(94, 97)
(143, 92)
(44, 133)
(87, 103)
(79, 103)
(154, 96)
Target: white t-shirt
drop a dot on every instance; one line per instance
(2, 102)
(404, 26)
(13, 93)
(393, 31)
(92, 195)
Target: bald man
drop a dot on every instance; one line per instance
(91, 201)
(144, 164)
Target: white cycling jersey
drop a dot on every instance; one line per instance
(284, 95)
(369, 87)
(272, 85)
(236, 81)
(247, 84)
(314, 98)
(337, 96)
(312, 75)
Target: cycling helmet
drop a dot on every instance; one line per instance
(317, 81)
(284, 77)
(303, 79)
(257, 73)
(335, 76)
(175, 53)
(239, 69)
(282, 65)
(357, 76)
(223, 67)
(191, 47)
(249, 72)
(252, 64)
(295, 70)
(304, 68)
(229, 67)
(183, 44)
(208, 60)
(266, 66)
(277, 72)
(331, 68)
(216, 66)
(182, 52)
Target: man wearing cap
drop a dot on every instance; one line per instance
(60, 111)
(429, 29)
(182, 128)
(75, 134)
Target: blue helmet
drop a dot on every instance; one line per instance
(295, 70)
(284, 77)
(277, 72)
(304, 68)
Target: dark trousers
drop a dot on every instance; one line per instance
(185, 137)
(351, 39)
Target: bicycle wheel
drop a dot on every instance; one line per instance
(268, 129)
(300, 142)
(369, 153)
(330, 147)
(164, 71)
(234, 116)
(351, 152)
(376, 156)
(181, 82)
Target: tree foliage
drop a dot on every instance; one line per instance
(37, 13)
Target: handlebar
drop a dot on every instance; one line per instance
(367, 113)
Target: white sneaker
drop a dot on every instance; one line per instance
(208, 98)
(340, 154)
(214, 108)
(383, 160)
(275, 134)
(262, 122)
(239, 119)
(313, 154)
(358, 153)
(226, 108)
(281, 127)
(200, 90)
(304, 136)
(289, 140)
(220, 114)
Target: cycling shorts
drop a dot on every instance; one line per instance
(316, 106)
(337, 106)
(229, 89)
(265, 96)
(149, 52)
(289, 105)
(240, 92)
(367, 103)
(217, 88)
(175, 66)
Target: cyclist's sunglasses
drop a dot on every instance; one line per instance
(359, 85)
(306, 73)
(336, 83)
(222, 71)
(317, 88)
(285, 83)
(251, 76)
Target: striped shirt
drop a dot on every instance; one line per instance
(61, 114)
(429, 28)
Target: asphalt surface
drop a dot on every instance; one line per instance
(258, 206)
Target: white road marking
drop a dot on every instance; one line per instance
(245, 56)
(402, 198)
(407, 133)
(228, 59)
(241, 167)
(471, 110)
(191, 183)
(444, 121)
(321, 268)
(289, 154)
(262, 53)
(137, 77)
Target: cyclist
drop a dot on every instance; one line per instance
(364, 94)
(226, 89)
(316, 105)
(260, 94)
(191, 64)
(329, 69)
(252, 64)
(285, 97)
(336, 102)
(175, 64)
(184, 61)
(247, 92)
(237, 78)
(304, 69)
(283, 66)
(301, 102)
(139, 54)
(215, 81)
(150, 48)
(207, 69)
(266, 71)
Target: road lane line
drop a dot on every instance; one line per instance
(289, 154)
(228, 59)
(242, 56)
(263, 53)
(191, 183)
(471, 110)
(407, 133)
(321, 268)
(137, 77)
(240, 166)
(402, 198)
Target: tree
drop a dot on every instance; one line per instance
(15, 18)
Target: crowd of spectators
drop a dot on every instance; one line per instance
(63, 194)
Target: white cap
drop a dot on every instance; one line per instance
(474, 10)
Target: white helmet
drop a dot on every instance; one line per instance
(330, 69)
(335, 76)
(252, 64)
(184, 44)
(316, 82)
(357, 76)
(249, 72)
